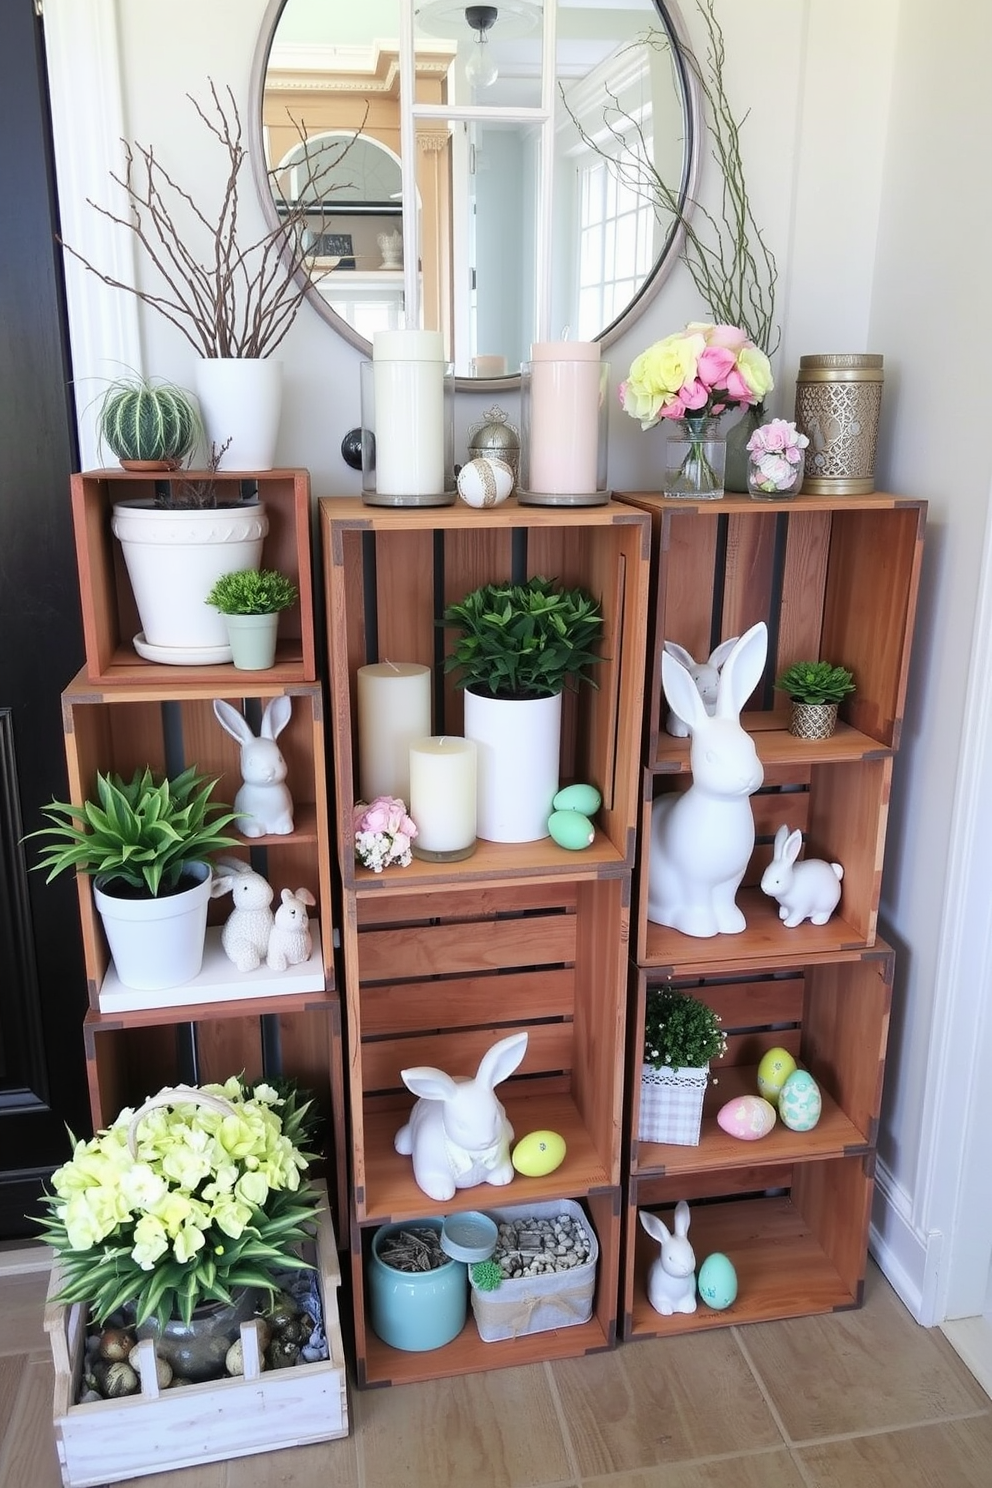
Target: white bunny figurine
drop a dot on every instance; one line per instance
(702, 838)
(245, 936)
(672, 1277)
(264, 802)
(291, 941)
(809, 890)
(705, 674)
(458, 1133)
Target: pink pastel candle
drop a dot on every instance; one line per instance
(564, 417)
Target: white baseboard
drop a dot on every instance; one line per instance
(971, 1339)
(905, 1256)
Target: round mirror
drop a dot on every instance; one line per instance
(326, 128)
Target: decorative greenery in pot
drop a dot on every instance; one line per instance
(196, 1195)
(524, 640)
(148, 424)
(253, 592)
(816, 689)
(680, 1031)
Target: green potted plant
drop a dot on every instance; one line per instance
(148, 425)
(518, 647)
(681, 1035)
(816, 688)
(145, 843)
(251, 601)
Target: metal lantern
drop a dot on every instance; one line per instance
(496, 439)
(838, 398)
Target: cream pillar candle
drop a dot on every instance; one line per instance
(394, 707)
(443, 798)
(408, 381)
(564, 417)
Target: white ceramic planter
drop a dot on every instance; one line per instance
(240, 400)
(173, 559)
(157, 943)
(518, 742)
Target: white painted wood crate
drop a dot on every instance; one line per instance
(154, 1432)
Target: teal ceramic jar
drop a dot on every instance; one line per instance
(416, 1311)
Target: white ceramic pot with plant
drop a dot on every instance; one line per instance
(251, 602)
(816, 688)
(519, 646)
(681, 1036)
(145, 842)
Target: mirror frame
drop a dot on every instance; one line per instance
(671, 21)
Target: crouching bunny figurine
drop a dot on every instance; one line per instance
(245, 936)
(702, 838)
(705, 674)
(809, 890)
(290, 941)
(458, 1133)
(264, 802)
(672, 1277)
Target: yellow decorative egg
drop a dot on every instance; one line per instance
(584, 798)
(717, 1281)
(538, 1153)
(775, 1068)
(571, 829)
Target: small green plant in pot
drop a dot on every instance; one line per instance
(816, 688)
(145, 842)
(148, 425)
(251, 602)
(518, 647)
(681, 1035)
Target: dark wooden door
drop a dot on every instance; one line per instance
(42, 986)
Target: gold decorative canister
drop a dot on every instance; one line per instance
(838, 398)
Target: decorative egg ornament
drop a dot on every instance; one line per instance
(538, 1153)
(484, 482)
(748, 1117)
(584, 798)
(775, 1068)
(571, 829)
(800, 1102)
(717, 1281)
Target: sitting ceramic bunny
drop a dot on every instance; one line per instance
(807, 890)
(702, 838)
(264, 802)
(705, 674)
(672, 1277)
(290, 941)
(458, 1133)
(245, 936)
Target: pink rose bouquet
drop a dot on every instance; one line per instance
(776, 451)
(696, 373)
(383, 833)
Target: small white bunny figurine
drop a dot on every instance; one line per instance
(245, 936)
(291, 941)
(702, 838)
(458, 1133)
(807, 890)
(705, 674)
(672, 1277)
(263, 800)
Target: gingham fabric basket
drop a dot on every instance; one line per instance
(672, 1104)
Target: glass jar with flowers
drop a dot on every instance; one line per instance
(776, 461)
(690, 378)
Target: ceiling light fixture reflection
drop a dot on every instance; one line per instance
(481, 69)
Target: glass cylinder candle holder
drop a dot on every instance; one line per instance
(443, 785)
(564, 405)
(408, 426)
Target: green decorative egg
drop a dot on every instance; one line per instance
(717, 1281)
(571, 829)
(584, 798)
(800, 1102)
(539, 1153)
(775, 1068)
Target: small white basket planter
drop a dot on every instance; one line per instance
(538, 1304)
(672, 1104)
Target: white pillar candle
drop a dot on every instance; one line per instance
(443, 797)
(564, 417)
(408, 382)
(394, 707)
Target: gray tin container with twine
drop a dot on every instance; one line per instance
(838, 400)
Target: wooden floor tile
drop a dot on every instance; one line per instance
(953, 1454)
(774, 1469)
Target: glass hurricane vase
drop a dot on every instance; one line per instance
(694, 460)
(772, 477)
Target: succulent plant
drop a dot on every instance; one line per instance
(142, 420)
(816, 682)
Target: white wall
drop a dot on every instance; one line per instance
(867, 148)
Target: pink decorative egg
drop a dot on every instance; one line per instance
(748, 1117)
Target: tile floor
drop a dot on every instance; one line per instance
(861, 1399)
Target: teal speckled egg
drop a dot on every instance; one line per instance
(717, 1281)
(571, 829)
(584, 798)
(800, 1102)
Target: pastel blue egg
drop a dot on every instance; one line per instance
(571, 829)
(584, 798)
(800, 1102)
(717, 1281)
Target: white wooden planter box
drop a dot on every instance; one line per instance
(155, 1432)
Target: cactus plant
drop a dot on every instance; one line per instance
(148, 422)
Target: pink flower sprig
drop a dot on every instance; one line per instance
(776, 449)
(699, 372)
(383, 833)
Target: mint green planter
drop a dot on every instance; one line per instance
(420, 1310)
(253, 641)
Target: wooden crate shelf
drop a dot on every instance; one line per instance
(110, 618)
